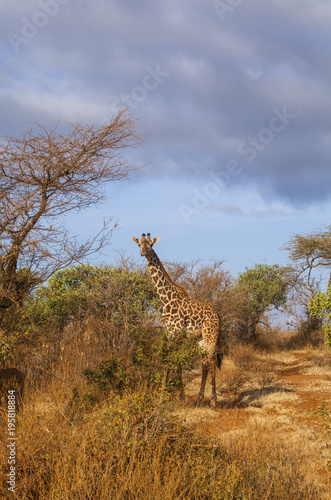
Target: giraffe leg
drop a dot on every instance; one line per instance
(205, 369)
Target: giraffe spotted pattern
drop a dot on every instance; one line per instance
(199, 320)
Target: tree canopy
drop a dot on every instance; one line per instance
(45, 175)
(115, 294)
(265, 287)
(311, 250)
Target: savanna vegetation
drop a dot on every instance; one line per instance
(102, 415)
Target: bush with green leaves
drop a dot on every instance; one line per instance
(154, 360)
(265, 287)
(109, 375)
(173, 354)
(122, 296)
(320, 307)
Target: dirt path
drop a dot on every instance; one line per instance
(289, 406)
(302, 383)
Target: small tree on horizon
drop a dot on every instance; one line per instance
(265, 287)
(309, 253)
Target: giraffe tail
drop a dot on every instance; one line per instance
(219, 360)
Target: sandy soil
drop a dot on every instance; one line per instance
(288, 406)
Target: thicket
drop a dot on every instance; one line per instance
(111, 309)
(99, 417)
(119, 305)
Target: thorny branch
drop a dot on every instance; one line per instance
(47, 174)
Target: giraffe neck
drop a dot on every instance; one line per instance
(160, 278)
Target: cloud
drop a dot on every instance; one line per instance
(257, 211)
(228, 208)
(224, 79)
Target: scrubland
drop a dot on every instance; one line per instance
(95, 425)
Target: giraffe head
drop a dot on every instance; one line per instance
(145, 244)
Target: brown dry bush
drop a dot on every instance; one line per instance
(265, 373)
(271, 339)
(324, 359)
(244, 356)
(305, 336)
(239, 373)
(233, 380)
(248, 369)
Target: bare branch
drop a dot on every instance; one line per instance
(51, 172)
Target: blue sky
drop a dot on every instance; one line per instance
(234, 99)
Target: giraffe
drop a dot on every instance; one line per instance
(180, 312)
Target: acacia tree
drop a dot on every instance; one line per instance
(309, 252)
(45, 175)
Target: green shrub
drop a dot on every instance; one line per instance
(320, 307)
(109, 375)
(124, 297)
(153, 360)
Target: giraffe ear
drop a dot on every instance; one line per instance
(155, 240)
(135, 240)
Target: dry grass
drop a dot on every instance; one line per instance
(139, 445)
(294, 448)
(246, 369)
(133, 448)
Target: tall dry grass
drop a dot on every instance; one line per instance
(71, 445)
(132, 448)
(246, 368)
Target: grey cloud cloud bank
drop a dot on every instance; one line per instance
(219, 79)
